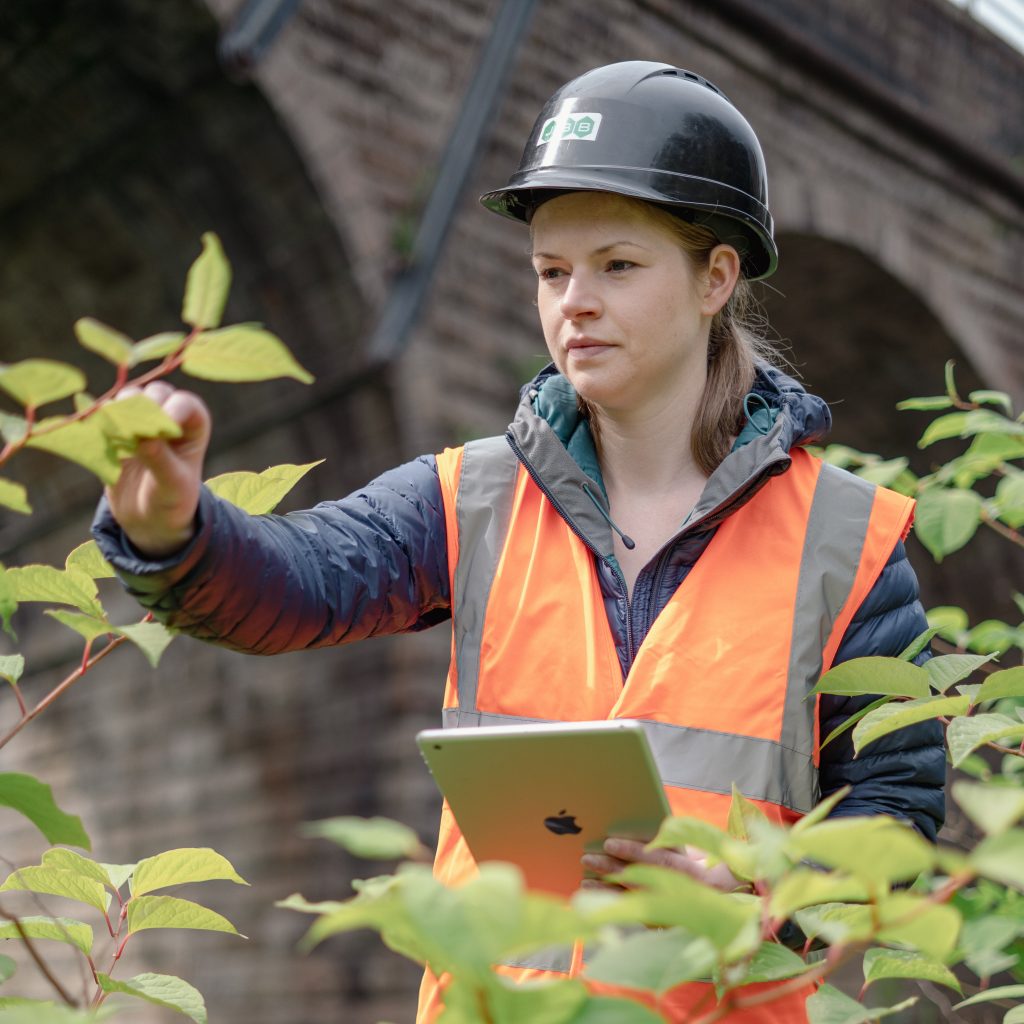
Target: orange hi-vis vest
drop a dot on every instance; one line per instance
(720, 679)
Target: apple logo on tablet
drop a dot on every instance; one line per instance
(562, 824)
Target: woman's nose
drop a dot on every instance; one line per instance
(579, 299)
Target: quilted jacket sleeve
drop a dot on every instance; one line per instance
(902, 774)
(370, 564)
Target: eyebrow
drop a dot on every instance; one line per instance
(597, 252)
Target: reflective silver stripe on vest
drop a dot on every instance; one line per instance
(837, 528)
(483, 508)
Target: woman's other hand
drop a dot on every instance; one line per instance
(618, 853)
(156, 497)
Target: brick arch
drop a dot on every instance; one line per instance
(863, 341)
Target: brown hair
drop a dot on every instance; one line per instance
(736, 343)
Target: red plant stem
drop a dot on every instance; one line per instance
(60, 688)
(168, 365)
(1010, 534)
(39, 961)
(21, 700)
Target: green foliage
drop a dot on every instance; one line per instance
(369, 838)
(98, 434)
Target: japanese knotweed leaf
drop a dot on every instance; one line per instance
(946, 519)
(882, 676)
(34, 800)
(177, 867)
(105, 341)
(57, 882)
(35, 382)
(170, 912)
(369, 838)
(14, 496)
(994, 809)
(259, 493)
(654, 960)
(207, 285)
(830, 1006)
(965, 734)
(880, 964)
(59, 929)
(897, 715)
(87, 558)
(162, 990)
(241, 353)
(83, 442)
(151, 638)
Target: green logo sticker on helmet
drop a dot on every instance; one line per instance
(580, 126)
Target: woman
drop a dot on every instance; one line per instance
(648, 541)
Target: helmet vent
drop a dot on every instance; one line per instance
(691, 77)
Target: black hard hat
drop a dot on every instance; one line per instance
(656, 133)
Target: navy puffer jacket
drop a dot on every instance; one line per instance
(375, 563)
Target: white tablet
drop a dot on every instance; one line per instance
(541, 795)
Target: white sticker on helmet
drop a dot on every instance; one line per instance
(582, 127)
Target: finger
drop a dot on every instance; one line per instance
(624, 849)
(159, 391)
(190, 412)
(600, 864)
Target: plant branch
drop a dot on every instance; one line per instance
(37, 957)
(61, 688)
(1015, 536)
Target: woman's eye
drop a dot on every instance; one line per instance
(549, 273)
(616, 265)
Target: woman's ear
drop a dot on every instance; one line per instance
(720, 278)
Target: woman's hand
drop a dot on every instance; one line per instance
(690, 861)
(156, 497)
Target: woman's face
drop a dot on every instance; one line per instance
(622, 310)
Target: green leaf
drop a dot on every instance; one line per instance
(967, 424)
(1009, 682)
(609, 1010)
(883, 474)
(930, 404)
(741, 813)
(950, 621)
(8, 601)
(655, 961)
(835, 922)
(665, 897)
(68, 860)
(914, 921)
(1000, 398)
(161, 990)
(137, 416)
(771, 962)
(1001, 857)
(919, 643)
(875, 849)
(990, 994)
(369, 838)
(118, 873)
(14, 496)
(543, 1002)
(991, 637)
(241, 354)
(1010, 499)
(805, 887)
(207, 285)
(300, 904)
(56, 882)
(947, 669)
(176, 867)
(830, 1006)
(34, 800)
(7, 968)
(851, 721)
(943, 428)
(60, 929)
(875, 675)
(12, 428)
(170, 912)
(11, 667)
(992, 808)
(881, 964)
(946, 519)
(87, 626)
(82, 442)
(158, 346)
(151, 638)
(891, 717)
(106, 342)
(259, 493)
(57, 586)
(965, 734)
(87, 558)
(14, 1010)
(679, 832)
(821, 810)
(35, 382)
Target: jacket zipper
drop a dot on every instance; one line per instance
(616, 572)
